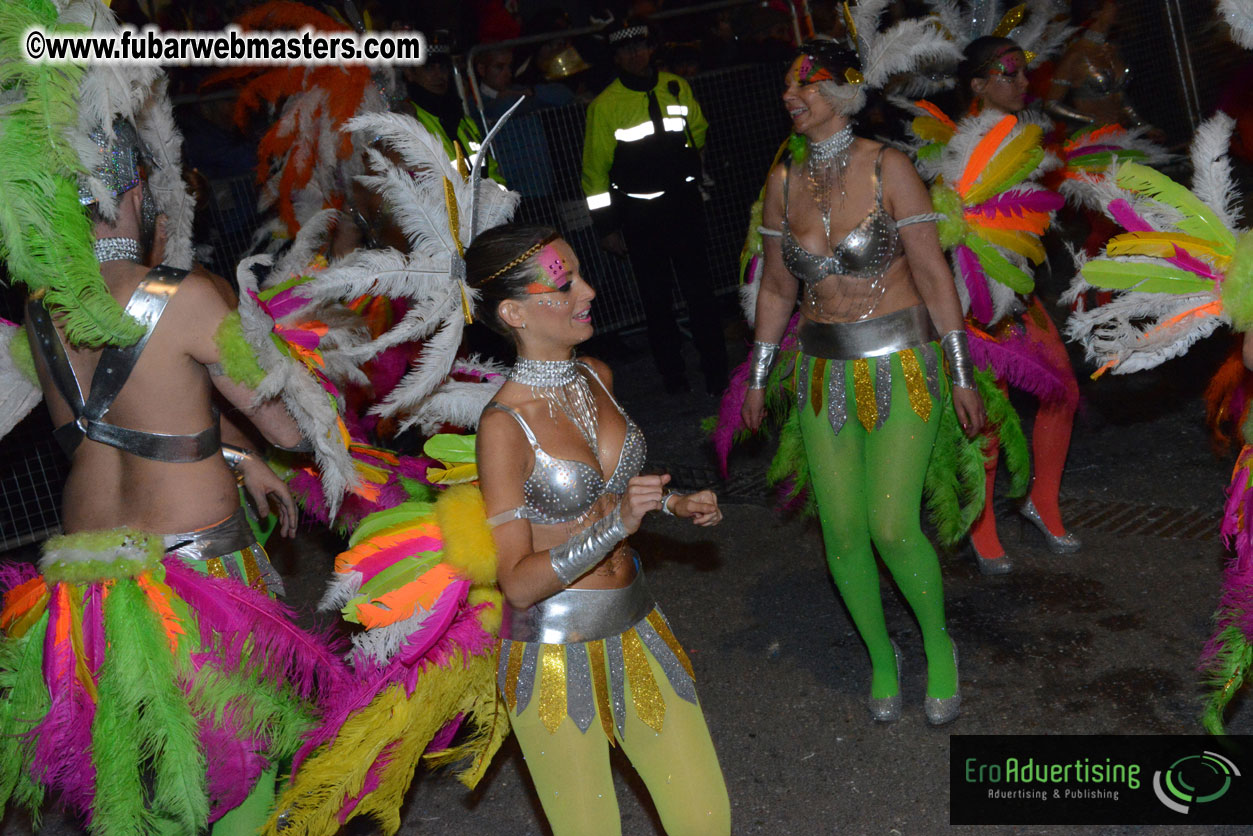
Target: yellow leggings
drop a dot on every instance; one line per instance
(571, 771)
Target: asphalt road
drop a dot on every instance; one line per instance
(1103, 641)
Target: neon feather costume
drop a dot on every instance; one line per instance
(1180, 271)
(418, 576)
(148, 679)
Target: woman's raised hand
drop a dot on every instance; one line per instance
(643, 494)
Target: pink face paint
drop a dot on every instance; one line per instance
(1010, 62)
(554, 272)
(805, 71)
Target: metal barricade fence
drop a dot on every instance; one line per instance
(541, 155)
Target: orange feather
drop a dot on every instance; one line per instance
(401, 603)
(984, 151)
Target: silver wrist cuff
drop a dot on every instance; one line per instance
(957, 353)
(305, 446)
(665, 504)
(234, 456)
(760, 361)
(578, 555)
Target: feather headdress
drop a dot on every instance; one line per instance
(305, 162)
(439, 209)
(1182, 269)
(901, 48)
(1031, 25)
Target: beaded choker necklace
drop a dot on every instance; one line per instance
(828, 160)
(559, 384)
(117, 249)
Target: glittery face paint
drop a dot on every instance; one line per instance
(1008, 63)
(805, 71)
(552, 269)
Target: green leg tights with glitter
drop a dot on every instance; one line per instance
(868, 485)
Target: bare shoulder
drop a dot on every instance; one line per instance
(201, 292)
(897, 162)
(497, 431)
(601, 369)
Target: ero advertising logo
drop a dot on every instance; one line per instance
(1074, 779)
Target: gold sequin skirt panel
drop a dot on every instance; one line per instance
(587, 681)
(862, 388)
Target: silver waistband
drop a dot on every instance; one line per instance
(888, 334)
(579, 615)
(230, 535)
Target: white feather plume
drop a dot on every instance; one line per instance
(306, 400)
(1239, 16)
(1127, 330)
(903, 48)
(1212, 179)
(155, 123)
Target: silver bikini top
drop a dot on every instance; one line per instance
(146, 304)
(865, 252)
(562, 490)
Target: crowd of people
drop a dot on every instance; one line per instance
(151, 680)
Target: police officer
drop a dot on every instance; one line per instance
(641, 171)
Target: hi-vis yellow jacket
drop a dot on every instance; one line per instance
(623, 150)
(467, 135)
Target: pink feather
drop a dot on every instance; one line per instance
(730, 420)
(1023, 364)
(1183, 258)
(62, 752)
(384, 558)
(1018, 201)
(1127, 217)
(14, 574)
(249, 630)
(233, 763)
(976, 282)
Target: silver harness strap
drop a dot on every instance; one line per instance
(146, 304)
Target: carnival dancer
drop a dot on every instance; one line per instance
(587, 659)
(869, 395)
(149, 680)
(1182, 269)
(995, 216)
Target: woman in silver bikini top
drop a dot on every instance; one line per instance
(563, 490)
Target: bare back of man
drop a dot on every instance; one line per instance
(168, 391)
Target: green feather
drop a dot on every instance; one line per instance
(23, 360)
(954, 482)
(255, 707)
(998, 267)
(1198, 219)
(1237, 288)
(144, 727)
(45, 237)
(1003, 416)
(952, 227)
(406, 512)
(238, 359)
(1143, 277)
(23, 704)
(1225, 675)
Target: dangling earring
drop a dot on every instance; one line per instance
(523, 325)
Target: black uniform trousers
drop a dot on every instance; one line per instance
(665, 234)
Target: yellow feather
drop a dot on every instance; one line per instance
(1162, 245)
(490, 618)
(1023, 243)
(468, 543)
(1008, 161)
(932, 129)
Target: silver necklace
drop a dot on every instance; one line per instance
(560, 385)
(828, 160)
(117, 249)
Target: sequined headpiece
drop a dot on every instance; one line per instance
(125, 159)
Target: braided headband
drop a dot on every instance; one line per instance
(530, 251)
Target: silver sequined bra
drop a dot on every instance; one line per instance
(562, 490)
(865, 253)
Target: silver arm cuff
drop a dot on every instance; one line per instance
(234, 456)
(760, 361)
(305, 446)
(577, 556)
(957, 352)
